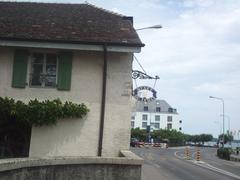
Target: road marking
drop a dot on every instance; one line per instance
(156, 165)
(176, 154)
(150, 157)
(208, 166)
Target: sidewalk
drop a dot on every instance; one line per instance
(234, 157)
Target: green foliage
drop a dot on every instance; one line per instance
(201, 138)
(139, 134)
(39, 112)
(174, 137)
(227, 138)
(205, 137)
(224, 153)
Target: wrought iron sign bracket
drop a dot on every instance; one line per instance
(141, 75)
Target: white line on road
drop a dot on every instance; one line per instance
(208, 166)
(178, 156)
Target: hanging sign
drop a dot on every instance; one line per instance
(145, 93)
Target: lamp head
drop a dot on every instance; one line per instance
(156, 26)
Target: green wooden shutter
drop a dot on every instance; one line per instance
(20, 69)
(64, 71)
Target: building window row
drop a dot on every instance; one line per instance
(169, 125)
(169, 118)
(144, 125)
(145, 108)
(158, 109)
(157, 125)
(132, 124)
(144, 117)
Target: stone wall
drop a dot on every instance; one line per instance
(127, 167)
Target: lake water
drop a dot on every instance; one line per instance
(233, 145)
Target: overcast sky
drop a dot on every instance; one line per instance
(196, 54)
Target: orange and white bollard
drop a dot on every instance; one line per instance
(198, 155)
(187, 153)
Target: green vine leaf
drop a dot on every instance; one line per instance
(39, 113)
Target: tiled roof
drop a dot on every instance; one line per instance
(71, 23)
(152, 106)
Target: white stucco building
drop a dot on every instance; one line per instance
(78, 53)
(157, 114)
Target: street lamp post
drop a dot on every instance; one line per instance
(228, 122)
(220, 127)
(221, 99)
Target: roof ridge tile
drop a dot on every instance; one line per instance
(100, 8)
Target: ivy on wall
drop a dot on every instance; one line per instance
(39, 113)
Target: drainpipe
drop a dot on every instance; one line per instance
(103, 103)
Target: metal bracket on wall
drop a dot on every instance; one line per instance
(141, 75)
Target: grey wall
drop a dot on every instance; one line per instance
(125, 167)
(75, 172)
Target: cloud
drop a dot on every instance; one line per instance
(196, 54)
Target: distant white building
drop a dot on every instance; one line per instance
(157, 114)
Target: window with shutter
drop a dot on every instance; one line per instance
(20, 68)
(47, 70)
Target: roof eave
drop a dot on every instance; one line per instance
(107, 43)
(88, 46)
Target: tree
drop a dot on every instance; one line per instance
(174, 137)
(139, 134)
(196, 139)
(205, 138)
(187, 137)
(227, 138)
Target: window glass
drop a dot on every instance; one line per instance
(145, 108)
(158, 109)
(132, 124)
(144, 117)
(169, 118)
(169, 126)
(51, 67)
(44, 70)
(144, 124)
(38, 58)
(37, 69)
(157, 125)
(157, 118)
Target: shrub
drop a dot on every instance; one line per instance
(224, 153)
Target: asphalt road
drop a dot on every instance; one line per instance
(170, 164)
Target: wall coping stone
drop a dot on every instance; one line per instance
(126, 158)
